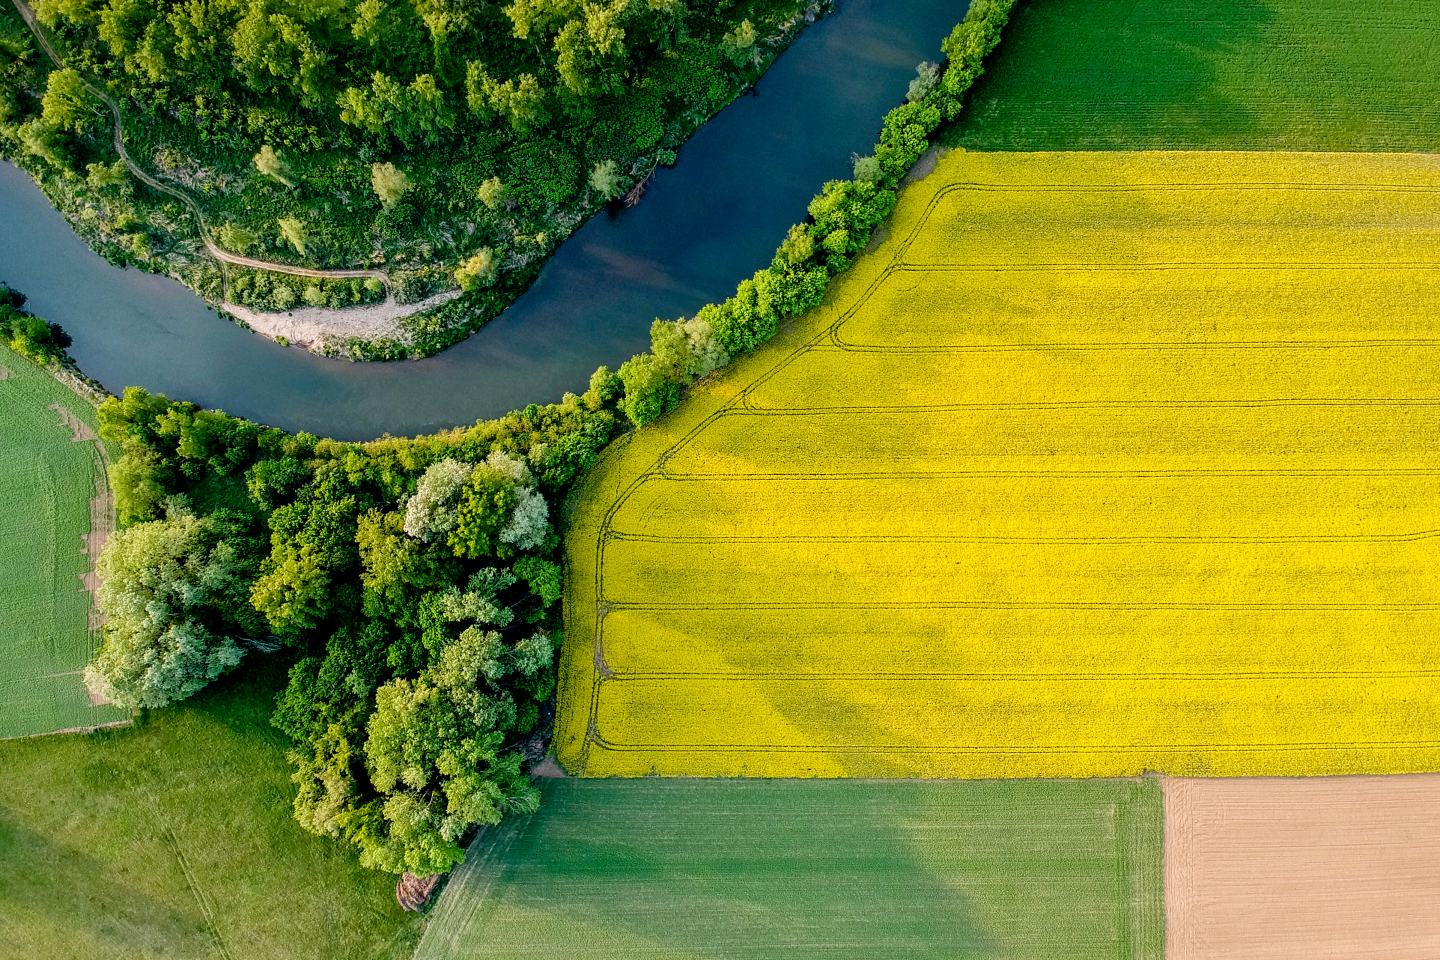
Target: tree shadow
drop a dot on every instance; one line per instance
(106, 917)
(1128, 75)
(794, 869)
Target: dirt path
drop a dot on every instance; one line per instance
(219, 255)
(1277, 869)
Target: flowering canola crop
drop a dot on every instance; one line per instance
(1097, 464)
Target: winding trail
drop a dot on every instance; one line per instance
(221, 256)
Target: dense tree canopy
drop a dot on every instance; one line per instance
(414, 582)
(452, 144)
(168, 591)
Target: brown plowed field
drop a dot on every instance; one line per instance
(1303, 869)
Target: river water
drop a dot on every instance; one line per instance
(711, 220)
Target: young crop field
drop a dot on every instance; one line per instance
(1192, 74)
(173, 840)
(1327, 868)
(1100, 464)
(53, 480)
(615, 869)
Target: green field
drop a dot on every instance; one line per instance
(1200, 74)
(49, 480)
(173, 839)
(784, 869)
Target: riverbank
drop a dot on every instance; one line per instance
(216, 191)
(713, 218)
(312, 328)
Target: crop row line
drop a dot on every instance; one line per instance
(967, 538)
(750, 410)
(860, 476)
(1007, 750)
(876, 604)
(1089, 677)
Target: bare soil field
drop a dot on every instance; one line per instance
(1315, 868)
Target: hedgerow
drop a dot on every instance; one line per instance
(842, 220)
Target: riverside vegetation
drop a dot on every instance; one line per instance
(416, 583)
(447, 146)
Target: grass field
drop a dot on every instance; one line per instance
(612, 870)
(49, 479)
(1101, 463)
(173, 839)
(1192, 74)
(1330, 868)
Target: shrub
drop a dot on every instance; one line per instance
(649, 392)
(478, 271)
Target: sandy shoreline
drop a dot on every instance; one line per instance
(309, 326)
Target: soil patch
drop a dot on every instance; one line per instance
(80, 431)
(1316, 868)
(547, 768)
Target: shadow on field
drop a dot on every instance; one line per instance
(1121, 75)
(613, 869)
(104, 914)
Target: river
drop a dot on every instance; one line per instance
(703, 225)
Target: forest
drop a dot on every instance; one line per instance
(449, 145)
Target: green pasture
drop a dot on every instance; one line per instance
(48, 480)
(612, 869)
(172, 840)
(1211, 74)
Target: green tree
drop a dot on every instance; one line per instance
(107, 176)
(292, 231)
(927, 75)
(66, 103)
(649, 391)
(293, 591)
(167, 591)
(741, 44)
(605, 180)
(868, 169)
(138, 483)
(268, 162)
(478, 271)
(430, 512)
(491, 193)
(435, 750)
(486, 503)
(234, 237)
(390, 183)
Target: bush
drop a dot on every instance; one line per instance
(27, 334)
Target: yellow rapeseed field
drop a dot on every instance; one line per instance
(1098, 464)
